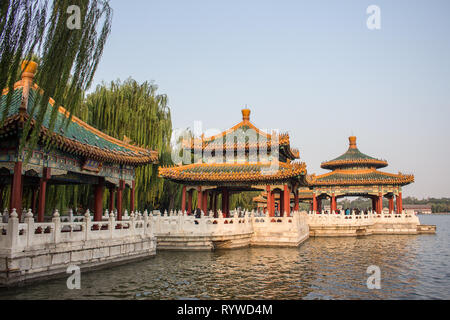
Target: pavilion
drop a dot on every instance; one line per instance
(355, 174)
(243, 158)
(73, 154)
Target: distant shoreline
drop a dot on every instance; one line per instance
(435, 214)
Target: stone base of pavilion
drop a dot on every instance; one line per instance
(31, 251)
(280, 231)
(182, 232)
(372, 223)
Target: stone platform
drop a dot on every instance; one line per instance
(182, 232)
(341, 225)
(30, 251)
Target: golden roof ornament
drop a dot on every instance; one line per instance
(246, 114)
(352, 141)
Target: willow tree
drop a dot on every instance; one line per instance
(243, 200)
(69, 50)
(135, 112)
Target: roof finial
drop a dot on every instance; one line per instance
(352, 141)
(246, 114)
(29, 69)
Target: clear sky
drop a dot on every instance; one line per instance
(311, 68)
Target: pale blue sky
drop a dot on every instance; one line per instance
(308, 67)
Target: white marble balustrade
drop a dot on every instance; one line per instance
(17, 237)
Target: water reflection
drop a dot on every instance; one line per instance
(412, 267)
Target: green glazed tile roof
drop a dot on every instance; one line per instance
(81, 137)
(353, 154)
(75, 131)
(15, 103)
(354, 157)
(355, 177)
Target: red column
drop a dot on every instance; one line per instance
(199, 198)
(33, 200)
(333, 203)
(119, 199)
(396, 204)
(399, 203)
(111, 199)
(380, 203)
(391, 204)
(183, 199)
(281, 203)
(225, 202)
(314, 203)
(287, 200)
(215, 202)
(16, 189)
(189, 210)
(272, 203)
(269, 201)
(296, 202)
(98, 195)
(205, 201)
(132, 195)
(42, 189)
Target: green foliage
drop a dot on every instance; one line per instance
(244, 200)
(135, 110)
(441, 205)
(69, 57)
(360, 203)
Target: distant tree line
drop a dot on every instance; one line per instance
(440, 205)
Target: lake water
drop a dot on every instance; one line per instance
(412, 267)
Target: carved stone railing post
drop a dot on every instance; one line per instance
(147, 230)
(132, 222)
(29, 220)
(180, 222)
(87, 225)
(13, 230)
(111, 224)
(57, 226)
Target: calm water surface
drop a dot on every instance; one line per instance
(412, 267)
